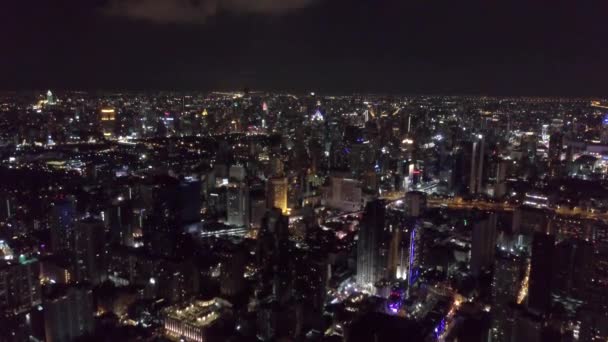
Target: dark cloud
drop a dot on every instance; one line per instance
(196, 11)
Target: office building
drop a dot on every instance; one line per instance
(68, 313)
(89, 251)
(273, 256)
(257, 207)
(343, 193)
(573, 268)
(63, 215)
(415, 203)
(237, 195)
(107, 118)
(474, 164)
(195, 321)
(371, 263)
(506, 283)
(483, 244)
(237, 173)
(19, 285)
(277, 193)
(541, 272)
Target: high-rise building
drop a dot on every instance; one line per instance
(234, 260)
(50, 99)
(541, 272)
(68, 314)
(161, 230)
(273, 257)
(189, 200)
(237, 196)
(107, 118)
(90, 251)
(344, 193)
(528, 326)
(483, 244)
(7, 205)
(415, 203)
(257, 206)
(555, 148)
(477, 164)
(573, 268)
(121, 222)
(63, 215)
(237, 173)
(528, 220)
(604, 132)
(469, 167)
(371, 262)
(506, 283)
(277, 193)
(500, 184)
(19, 285)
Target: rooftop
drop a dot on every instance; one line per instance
(199, 313)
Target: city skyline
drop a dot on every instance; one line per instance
(303, 171)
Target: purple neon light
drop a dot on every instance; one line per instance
(411, 261)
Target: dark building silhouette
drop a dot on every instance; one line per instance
(541, 272)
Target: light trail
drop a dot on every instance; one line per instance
(523, 291)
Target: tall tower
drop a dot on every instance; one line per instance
(414, 250)
(555, 148)
(62, 224)
(89, 248)
(19, 286)
(470, 165)
(238, 205)
(483, 244)
(541, 272)
(68, 314)
(273, 255)
(107, 119)
(277, 193)
(50, 99)
(415, 203)
(370, 263)
(476, 165)
(604, 134)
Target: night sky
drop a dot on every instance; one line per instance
(498, 47)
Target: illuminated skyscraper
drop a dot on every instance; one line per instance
(50, 99)
(277, 193)
(107, 119)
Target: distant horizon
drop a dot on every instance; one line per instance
(298, 93)
(514, 48)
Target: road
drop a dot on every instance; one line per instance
(460, 204)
